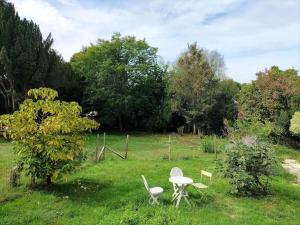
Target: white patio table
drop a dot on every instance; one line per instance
(181, 184)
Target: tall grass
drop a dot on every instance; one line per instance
(212, 144)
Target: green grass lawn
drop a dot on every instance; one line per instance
(112, 191)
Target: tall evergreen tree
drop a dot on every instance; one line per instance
(28, 61)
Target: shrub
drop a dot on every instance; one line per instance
(295, 124)
(46, 134)
(249, 165)
(282, 122)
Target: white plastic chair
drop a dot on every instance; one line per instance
(200, 186)
(175, 172)
(153, 192)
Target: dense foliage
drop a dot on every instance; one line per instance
(274, 96)
(225, 106)
(124, 82)
(27, 60)
(249, 165)
(45, 133)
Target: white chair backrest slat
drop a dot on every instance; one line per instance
(176, 172)
(146, 183)
(207, 174)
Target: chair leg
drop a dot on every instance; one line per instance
(153, 200)
(187, 201)
(201, 193)
(203, 196)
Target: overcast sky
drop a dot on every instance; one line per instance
(252, 35)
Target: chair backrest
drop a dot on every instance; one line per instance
(146, 183)
(207, 174)
(176, 172)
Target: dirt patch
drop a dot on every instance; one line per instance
(293, 167)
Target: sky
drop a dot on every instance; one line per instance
(251, 34)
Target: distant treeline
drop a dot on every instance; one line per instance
(131, 87)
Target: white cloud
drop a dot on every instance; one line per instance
(251, 34)
(67, 2)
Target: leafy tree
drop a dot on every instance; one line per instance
(249, 165)
(295, 124)
(217, 63)
(46, 134)
(190, 86)
(124, 82)
(272, 98)
(273, 91)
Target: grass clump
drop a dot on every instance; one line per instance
(211, 145)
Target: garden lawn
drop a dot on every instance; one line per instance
(112, 191)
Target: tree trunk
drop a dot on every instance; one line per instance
(5, 102)
(194, 128)
(13, 102)
(7, 90)
(120, 123)
(33, 180)
(48, 180)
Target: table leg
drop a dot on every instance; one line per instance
(175, 193)
(175, 196)
(178, 200)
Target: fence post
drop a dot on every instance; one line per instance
(126, 146)
(97, 147)
(104, 144)
(169, 147)
(215, 147)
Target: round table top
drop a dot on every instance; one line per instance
(181, 180)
